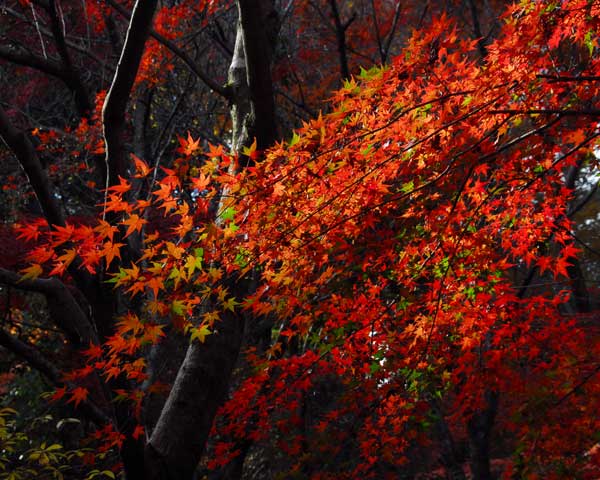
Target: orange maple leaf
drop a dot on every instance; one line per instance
(134, 224)
(141, 167)
(138, 431)
(188, 146)
(152, 332)
(40, 255)
(31, 273)
(136, 287)
(31, 230)
(111, 250)
(63, 262)
(124, 186)
(130, 323)
(155, 284)
(201, 182)
(251, 151)
(215, 151)
(94, 351)
(90, 259)
(62, 234)
(106, 230)
(560, 268)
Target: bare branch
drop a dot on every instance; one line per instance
(210, 83)
(38, 361)
(32, 355)
(548, 111)
(28, 158)
(27, 59)
(71, 77)
(565, 78)
(65, 311)
(70, 44)
(113, 113)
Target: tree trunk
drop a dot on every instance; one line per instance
(182, 430)
(480, 430)
(450, 456)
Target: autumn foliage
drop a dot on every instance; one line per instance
(404, 261)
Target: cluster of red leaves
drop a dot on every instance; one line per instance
(74, 150)
(89, 131)
(389, 235)
(171, 22)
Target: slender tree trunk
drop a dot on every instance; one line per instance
(340, 35)
(480, 430)
(115, 105)
(450, 456)
(183, 427)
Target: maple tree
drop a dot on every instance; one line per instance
(367, 267)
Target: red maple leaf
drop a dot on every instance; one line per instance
(78, 395)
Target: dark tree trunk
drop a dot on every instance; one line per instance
(480, 430)
(113, 112)
(450, 457)
(201, 386)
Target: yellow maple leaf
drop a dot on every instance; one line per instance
(31, 273)
(200, 333)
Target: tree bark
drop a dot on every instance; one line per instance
(65, 311)
(340, 34)
(182, 431)
(450, 456)
(113, 123)
(115, 105)
(30, 162)
(259, 25)
(71, 77)
(480, 430)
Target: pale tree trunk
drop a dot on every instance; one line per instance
(182, 431)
